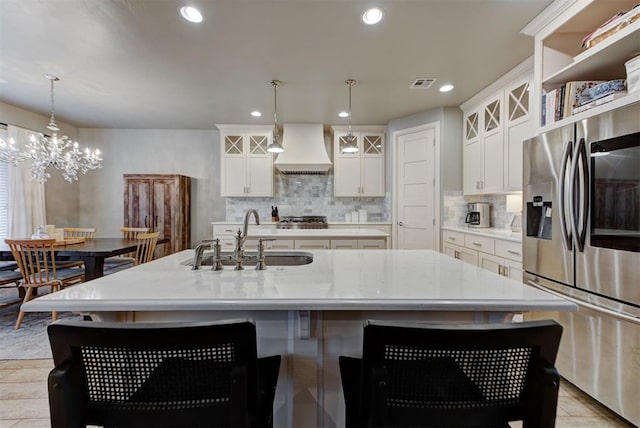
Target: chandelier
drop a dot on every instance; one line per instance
(44, 151)
(275, 146)
(350, 146)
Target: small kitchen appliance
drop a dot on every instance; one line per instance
(478, 214)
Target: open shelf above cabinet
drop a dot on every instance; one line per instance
(604, 61)
(560, 58)
(621, 102)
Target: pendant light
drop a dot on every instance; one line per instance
(350, 146)
(275, 146)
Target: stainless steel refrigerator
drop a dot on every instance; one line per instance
(581, 239)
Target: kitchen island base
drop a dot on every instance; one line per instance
(309, 392)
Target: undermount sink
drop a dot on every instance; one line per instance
(271, 258)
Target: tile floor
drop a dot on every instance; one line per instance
(23, 400)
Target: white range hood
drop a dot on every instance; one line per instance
(304, 150)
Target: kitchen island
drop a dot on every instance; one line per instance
(309, 314)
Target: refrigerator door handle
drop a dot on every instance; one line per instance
(579, 189)
(567, 238)
(584, 193)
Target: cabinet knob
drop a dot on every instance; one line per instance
(400, 223)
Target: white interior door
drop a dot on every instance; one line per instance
(415, 187)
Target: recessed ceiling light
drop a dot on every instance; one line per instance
(343, 114)
(256, 113)
(191, 14)
(372, 16)
(446, 88)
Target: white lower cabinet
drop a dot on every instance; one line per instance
(461, 253)
(227, 232)
(496, 255)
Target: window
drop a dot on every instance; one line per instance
(4, 192)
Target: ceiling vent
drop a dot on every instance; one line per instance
(422, 83)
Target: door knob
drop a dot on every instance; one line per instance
(400, 223)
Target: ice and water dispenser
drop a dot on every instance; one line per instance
(539, 211)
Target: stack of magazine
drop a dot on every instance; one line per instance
(577, 96)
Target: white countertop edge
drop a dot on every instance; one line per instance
(314, 305)
(491, 232)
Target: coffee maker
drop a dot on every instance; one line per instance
(478, 214)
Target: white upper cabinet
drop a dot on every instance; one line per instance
(360, 174)
(560, 57)
(492, 141)
(517, 128)
(496, 122)
(246, 168)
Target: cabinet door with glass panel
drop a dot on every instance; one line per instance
(360, 174)
(518, 127)
(472, 173)
(492, 139)
(246, 166)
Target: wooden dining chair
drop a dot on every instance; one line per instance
(146, 246)
(36, 260)
(123, 261)
(80, 232)
(11, 279)
(133, 232)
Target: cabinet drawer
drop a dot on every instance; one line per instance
(311, 244)
(220, 230)
(480, 243)
(280, 244)
(451, 237)
(372, 244)
(344, 244)
(509, 250)
(227, 244)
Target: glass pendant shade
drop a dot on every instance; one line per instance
(351, 145)
(275, 146)
(51, 151)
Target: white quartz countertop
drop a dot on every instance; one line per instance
(413, 280)
(490, 232)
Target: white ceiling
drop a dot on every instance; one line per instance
(138, 64)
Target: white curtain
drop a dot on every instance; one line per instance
(26, 196)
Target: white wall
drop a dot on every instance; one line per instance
(194, 153)
(61, 196)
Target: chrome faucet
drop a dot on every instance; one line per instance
(197, 258)
(241, 237)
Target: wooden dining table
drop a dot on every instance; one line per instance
(92, 252)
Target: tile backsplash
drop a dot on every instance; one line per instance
(454, 209)
(308, 195)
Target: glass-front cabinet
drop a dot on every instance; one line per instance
(246, 167)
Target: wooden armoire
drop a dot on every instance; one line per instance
(160, 202)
